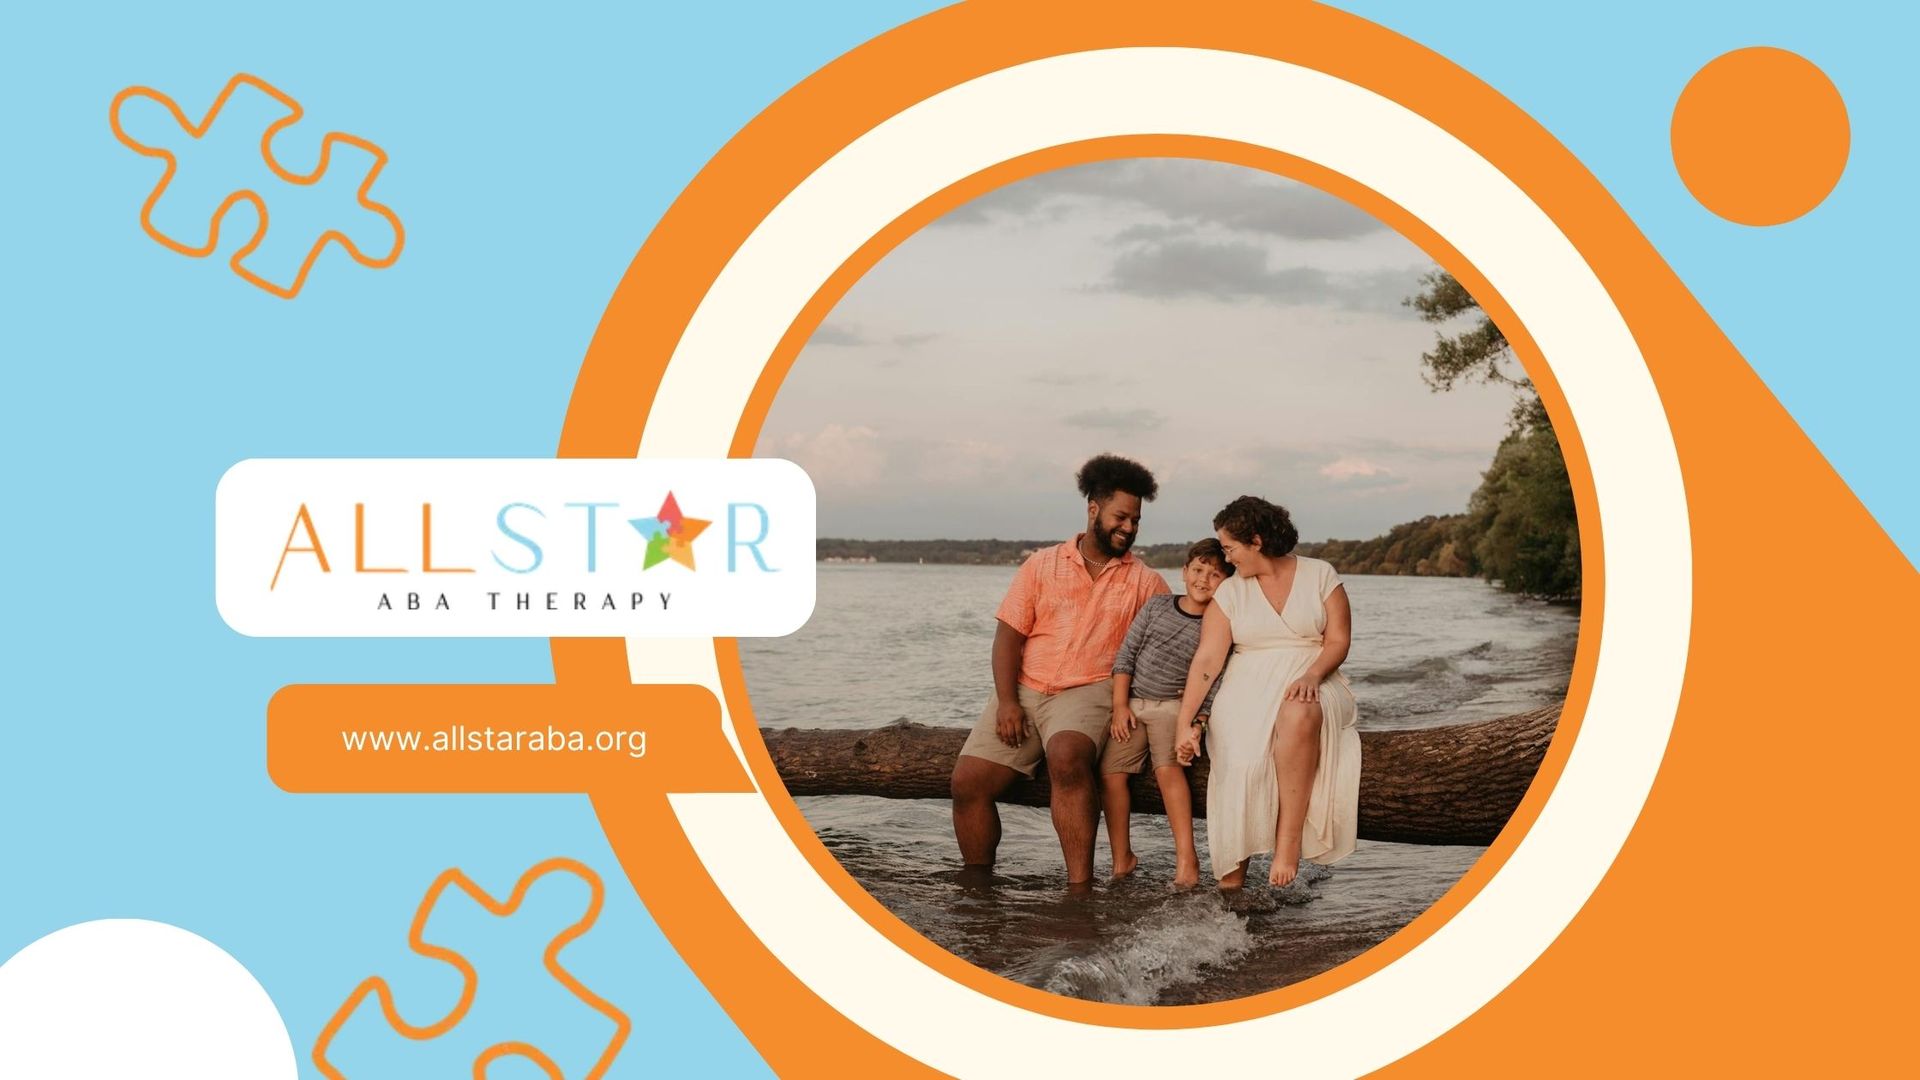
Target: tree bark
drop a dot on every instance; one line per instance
(1441, 785)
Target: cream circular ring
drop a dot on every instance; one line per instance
(1636, 475)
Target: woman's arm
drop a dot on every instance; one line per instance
(1216, 637)
(1216, 640)
(1333, 648)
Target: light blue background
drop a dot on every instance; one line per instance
(1819, 306)
(531, 155)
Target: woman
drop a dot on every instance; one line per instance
(1285, 752)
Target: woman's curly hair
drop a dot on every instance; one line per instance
(1101, 476)
(1250, 515)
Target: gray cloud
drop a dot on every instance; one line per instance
(841, 334)
(849, 336)
(1185, 192)
(1221, 270)
(1384, 291)
(1134, 234)
(1068, 378)
(1015, 202)
(1116, 419)
(1235, 270)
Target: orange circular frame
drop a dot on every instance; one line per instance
(1266, 159)
(798, 1032)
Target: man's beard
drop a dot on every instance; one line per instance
(1107, 542)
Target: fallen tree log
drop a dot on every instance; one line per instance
(1441, 785)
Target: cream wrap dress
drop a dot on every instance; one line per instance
(1270, 650)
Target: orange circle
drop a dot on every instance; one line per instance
(1760, 136)
(796, 1029)
(911, 940)
(713, 217)
(787, 1020)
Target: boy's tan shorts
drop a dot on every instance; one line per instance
(1157, 733)
(1086, 709)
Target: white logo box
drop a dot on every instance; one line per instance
(753, 572)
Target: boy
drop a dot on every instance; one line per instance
(1149, 677)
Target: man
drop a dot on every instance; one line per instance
(1059, 627)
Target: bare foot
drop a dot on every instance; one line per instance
(974, 877)
(1124, 864)
(1186, 875)
(1235, 877)
(1286, 864)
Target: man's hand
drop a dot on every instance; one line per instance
(1123, 723)
(1010, 723)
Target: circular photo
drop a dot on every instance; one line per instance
(1200, 582)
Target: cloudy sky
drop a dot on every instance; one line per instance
(1234, 331)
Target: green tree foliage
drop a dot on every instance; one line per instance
(1521, 521)
(1477, 353)
(1520, 526)
(1430, 547)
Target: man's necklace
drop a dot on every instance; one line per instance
(1102, 564)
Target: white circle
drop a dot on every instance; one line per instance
(130, 997)
(1646, 609)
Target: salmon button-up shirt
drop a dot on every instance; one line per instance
(1074, 624)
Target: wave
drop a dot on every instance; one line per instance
(1169, 945)
(1418, 671)
(1179, 941)
(1467, 663)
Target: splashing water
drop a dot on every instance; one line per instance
(1170, 945)
(1181, 941)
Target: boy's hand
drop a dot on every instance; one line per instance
(1010, 723)
(1123, 723)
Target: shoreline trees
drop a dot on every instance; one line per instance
(1520, 527)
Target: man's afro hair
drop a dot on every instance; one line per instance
(1101, 476)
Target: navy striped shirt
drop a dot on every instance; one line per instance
(1159, 650)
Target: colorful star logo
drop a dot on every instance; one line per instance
(669, 534)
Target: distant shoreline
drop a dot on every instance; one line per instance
(1416, 549)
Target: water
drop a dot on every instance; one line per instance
(891, 642)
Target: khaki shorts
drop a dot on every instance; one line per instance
(1086, 709)
(1158, 733)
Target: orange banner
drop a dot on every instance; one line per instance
(520, 738)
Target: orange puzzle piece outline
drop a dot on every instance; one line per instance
(266, 153)
(470, 979)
